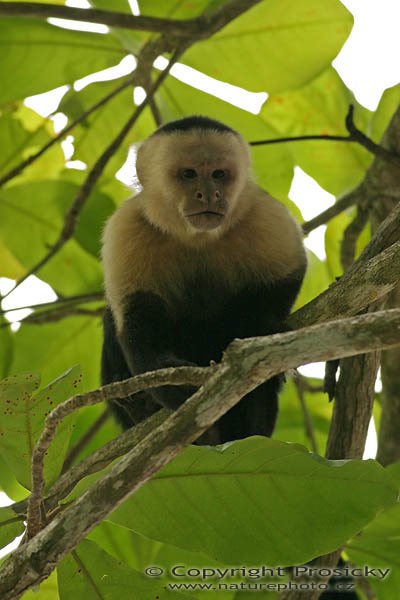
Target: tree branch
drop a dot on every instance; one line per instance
(340, 205)
(120, 389)
(363, 284)
(355, 135)
(38, 10)
(201, 27)
(246, 364)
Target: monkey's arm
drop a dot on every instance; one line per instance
(263, 309)
(146, 339)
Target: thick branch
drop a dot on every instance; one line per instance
(363, 284)
(202, 26)
(40, 10)
(246, 364)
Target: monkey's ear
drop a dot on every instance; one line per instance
(141, 160)
(147, 160)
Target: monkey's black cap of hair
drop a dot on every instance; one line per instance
(194, 122)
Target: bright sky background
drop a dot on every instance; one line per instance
(368, 63)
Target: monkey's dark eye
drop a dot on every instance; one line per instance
(218, 174)
(189, 173)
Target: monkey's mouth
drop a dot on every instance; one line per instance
(206, 219)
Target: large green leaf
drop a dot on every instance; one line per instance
(388, 104)
(273, 165)
(10, 266)
(10, 526)
(8, 483)
(140, 552)
(36, 57)
(24, 415)
(320, 108)
(6, 350)
(378, 547)
(16, 394)
(276, 45)
(31, 218)
(177, 9)
(22, 133)
(90, 573)
(269, 495)
(51, 348)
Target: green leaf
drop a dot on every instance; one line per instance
(89, 573)
(177, 9)
(22, 133)
(320, 108)
(273, 165)
(38, 57)
(22, 425)
(6, 351)
(276, 45)
(388, 104)
(334, 237)
(53, 347)
(29, 228)
(10, 266)
(85, 419)
(10, 526)
(47, 590)
(16, 435)
(267, 494)
(291, 421)
(9, 484)
(378, 546)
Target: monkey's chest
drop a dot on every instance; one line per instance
(210, 315)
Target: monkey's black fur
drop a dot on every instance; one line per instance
(195, 122)
(195, 333)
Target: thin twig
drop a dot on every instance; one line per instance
(355, 136)
(302, 138)
(33, 157)
(341, 205)
(358, 136)
(78, 299)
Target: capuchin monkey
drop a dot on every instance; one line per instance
(202, 255)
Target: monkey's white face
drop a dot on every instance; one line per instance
(194, 187)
